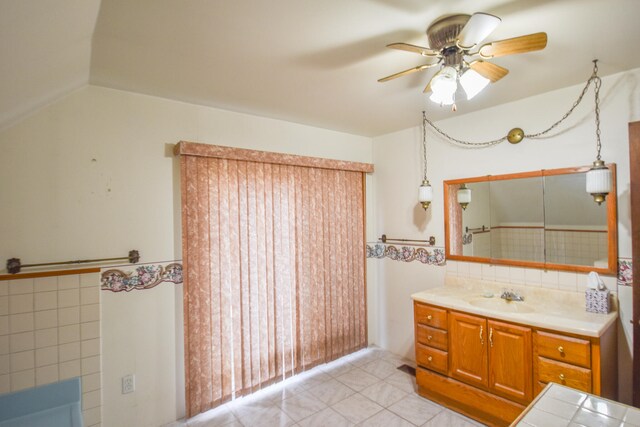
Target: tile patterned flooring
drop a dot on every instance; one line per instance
(364, 388)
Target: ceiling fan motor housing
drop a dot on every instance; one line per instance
(444, 32)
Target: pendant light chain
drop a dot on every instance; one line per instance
(598, 83)
(465, 144)
(468, 144)
(594, 78)
(424, 145)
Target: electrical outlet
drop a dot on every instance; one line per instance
(128, 384)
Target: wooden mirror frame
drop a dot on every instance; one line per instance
(453, 222)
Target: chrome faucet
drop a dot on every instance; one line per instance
(511, 295)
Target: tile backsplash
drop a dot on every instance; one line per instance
(562, 280)
(50, 331)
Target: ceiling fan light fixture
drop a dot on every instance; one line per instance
(444, 85)
(473, 83)
(442, 99)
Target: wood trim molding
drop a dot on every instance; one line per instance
(49, 273)
(634, 164)
(186, 148)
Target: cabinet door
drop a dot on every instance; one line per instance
(468, 349)
(510, 361)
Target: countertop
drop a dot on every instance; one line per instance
(551, 309)
(560, 406)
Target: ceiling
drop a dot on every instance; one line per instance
(310, 62)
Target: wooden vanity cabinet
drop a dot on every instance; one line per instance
(491, 355)
(562, 359)
(431, 338)
(468, 351)
(490, 369)
(510, 361)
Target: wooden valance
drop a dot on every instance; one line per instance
(232, 153)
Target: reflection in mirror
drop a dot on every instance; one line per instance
(576, 228)
(476, 220)
(517, 219)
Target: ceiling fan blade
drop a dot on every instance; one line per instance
(405, 72)
(479, 26)
(515, 45)
(427, 88)
(414, 49)
(488, 70)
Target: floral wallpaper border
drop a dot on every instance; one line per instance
(434, 256)
(625, 272)
(143, 277)
(151, 275)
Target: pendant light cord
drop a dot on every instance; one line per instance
(468, 144)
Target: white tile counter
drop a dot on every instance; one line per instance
(560, 406)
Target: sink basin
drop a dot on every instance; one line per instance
(499, 304)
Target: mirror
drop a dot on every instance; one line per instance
(542, 219)
(576, 227)
(517, 219)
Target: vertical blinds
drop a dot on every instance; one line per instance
(274, 273)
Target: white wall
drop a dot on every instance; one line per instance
(397, 177)
(93, 176)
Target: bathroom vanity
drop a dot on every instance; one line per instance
(488, 358)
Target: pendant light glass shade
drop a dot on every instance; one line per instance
(599, 181)
(444, 85)
(442, 99)
(464, 196)
(473, 83)
(425, 194)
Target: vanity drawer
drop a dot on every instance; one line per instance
(430, 315)
(431, 358)
(562, 373)
(432, 337)
(564, 349)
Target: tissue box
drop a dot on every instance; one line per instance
(598, 301)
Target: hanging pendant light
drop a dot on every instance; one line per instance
(464, 196)
(599, 176)
(425, 192)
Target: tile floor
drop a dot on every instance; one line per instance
(363, 388)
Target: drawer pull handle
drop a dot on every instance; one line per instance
(429, 359)
(429, 317)
(561, 376)
(429, 338)
(481, 336)
(491, 336)
(561, 350)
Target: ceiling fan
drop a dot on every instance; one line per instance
(454, 44)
